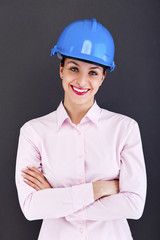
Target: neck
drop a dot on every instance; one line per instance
(77, 111)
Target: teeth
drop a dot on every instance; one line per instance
(79, 90)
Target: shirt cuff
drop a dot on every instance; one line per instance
(82, 195)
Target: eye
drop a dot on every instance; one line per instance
(93, 73)
(74, 69)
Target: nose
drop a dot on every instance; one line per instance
(82, 80)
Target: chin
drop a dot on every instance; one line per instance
(83, 101)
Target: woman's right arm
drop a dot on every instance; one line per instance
(47, 203)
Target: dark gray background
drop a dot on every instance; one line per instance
(30, 87)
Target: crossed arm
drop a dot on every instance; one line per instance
(103, 200)
(34, 178)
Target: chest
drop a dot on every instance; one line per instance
(74, 157)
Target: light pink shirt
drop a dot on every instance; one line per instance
(104, 146)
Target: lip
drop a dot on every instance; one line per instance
(80, 93)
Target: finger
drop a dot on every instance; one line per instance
(34, 169)
(32, 179)
(31, 169)
(34, 174)
(39, 175)
(32, 185)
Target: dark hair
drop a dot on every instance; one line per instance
(62, 61)
(105, 68)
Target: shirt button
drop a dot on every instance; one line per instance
(80, 156)
(81, 181)
(81, 230)
(79, 133)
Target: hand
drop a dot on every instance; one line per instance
(104, 188)
(34, 178)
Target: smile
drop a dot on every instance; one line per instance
(79, 91)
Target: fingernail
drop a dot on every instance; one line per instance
(29, 167)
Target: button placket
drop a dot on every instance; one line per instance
(79, 133)
(81, 171)
(81, 230)
(81, 181)
(81, 156)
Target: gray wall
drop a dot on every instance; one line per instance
(30, 87)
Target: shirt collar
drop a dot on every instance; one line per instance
(92, 114)
(62, 115)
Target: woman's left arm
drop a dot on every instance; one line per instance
(129, 202)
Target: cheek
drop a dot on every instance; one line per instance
(96, 84)
(68, 78)
(65, 83)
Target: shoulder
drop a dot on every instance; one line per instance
(119, 125)
(117, 120)
(40, 124)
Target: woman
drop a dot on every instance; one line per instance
(81, 168)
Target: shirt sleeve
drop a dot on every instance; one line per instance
(129, 203)
(47, 203)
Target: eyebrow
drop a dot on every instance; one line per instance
(95, 67)
(78, 65)
(73, 63)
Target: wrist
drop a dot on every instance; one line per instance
(104, 188)
(111, 187)
(98, 189)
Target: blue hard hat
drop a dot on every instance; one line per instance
(87, 40)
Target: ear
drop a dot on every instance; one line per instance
(61, 71)
(103, 77)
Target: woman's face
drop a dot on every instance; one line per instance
(81, 81)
